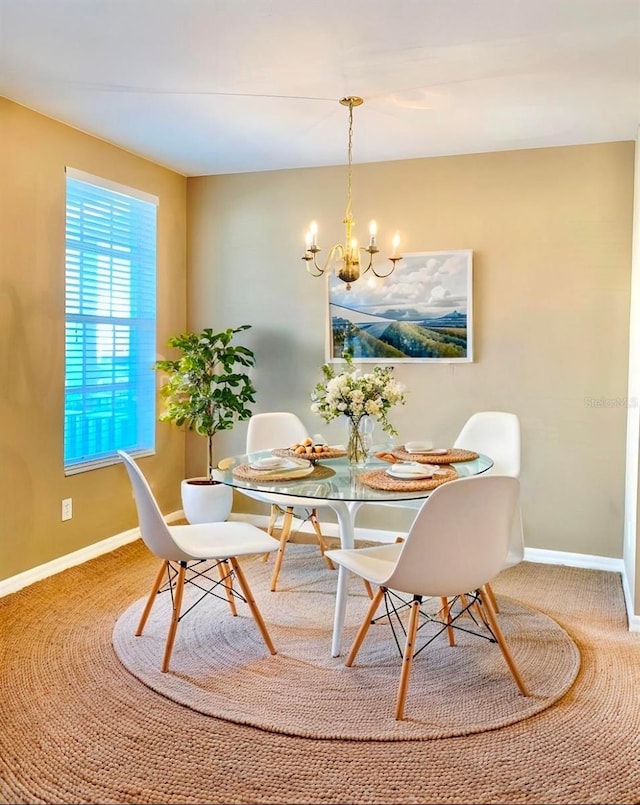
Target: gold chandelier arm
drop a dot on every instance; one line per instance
(392, 260)
(312, 267)
(337, 252)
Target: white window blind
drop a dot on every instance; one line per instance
(110, 322)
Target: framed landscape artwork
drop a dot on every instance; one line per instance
(421, 312)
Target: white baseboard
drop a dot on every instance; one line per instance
(15, 583)
(634, 620)
(591, 563)
(545, 557)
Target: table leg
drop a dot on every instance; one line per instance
(346, 513)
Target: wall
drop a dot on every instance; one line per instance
(33, 154)
(550, 231)
(551, 234)
(632, 492)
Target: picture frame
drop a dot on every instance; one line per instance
(422, 311)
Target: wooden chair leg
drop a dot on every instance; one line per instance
(284, 536)
(272, 524)
(152, 597)
(465, 602)
(407, 659)
(491, 597)
(224, 571)
(272, 520)
(175, 616)
(447, 614)
(364, 628)
(485, 604)
(320, 536)
(480, 612)
(246, 590)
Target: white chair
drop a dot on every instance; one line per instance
(497, 435)
(457, 543)
(282, 429)
(190, 553)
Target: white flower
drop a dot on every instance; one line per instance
(355, 395)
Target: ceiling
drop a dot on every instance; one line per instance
(229, 86)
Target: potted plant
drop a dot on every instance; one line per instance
(206, 391)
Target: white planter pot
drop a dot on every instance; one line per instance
(204, 502)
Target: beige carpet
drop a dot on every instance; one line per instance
(220, 665)
(77, 727)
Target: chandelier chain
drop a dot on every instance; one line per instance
(346, 256)
(350, 159)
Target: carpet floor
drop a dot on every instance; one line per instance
(220, 665)
(78, 727)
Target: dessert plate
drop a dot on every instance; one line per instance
(433, 451)
(412, 471)
(279, 463)
(418, 447)
(268, 463)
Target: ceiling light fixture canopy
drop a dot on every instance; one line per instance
(346, 256)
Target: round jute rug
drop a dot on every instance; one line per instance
(221, 667)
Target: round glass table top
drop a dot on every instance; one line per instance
(335, 479)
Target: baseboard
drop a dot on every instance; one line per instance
(634, 620)
(545, 557)
(34, 574)
(590, 562)
(15, 583)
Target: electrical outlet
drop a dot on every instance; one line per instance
(67, 509)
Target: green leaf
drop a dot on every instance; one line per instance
(205, 389)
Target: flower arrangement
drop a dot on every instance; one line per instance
(356, 395)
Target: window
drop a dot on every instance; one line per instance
(110, 322)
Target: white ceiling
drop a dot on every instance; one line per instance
(227, 86)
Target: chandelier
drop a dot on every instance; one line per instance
(345, 257)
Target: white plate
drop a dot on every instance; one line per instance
(418, 447)
(409, 476)
(412, 471)
(434, 451)
(276, 463)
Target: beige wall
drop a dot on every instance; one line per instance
(550, 231)
(34, 151)
(551, 234)
(632, 491)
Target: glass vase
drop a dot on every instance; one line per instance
(358, 441)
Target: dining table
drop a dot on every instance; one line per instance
(331, 480)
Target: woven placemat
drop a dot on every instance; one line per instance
(285, 452)
(247, 473)
(452, 455)
(378, 479)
